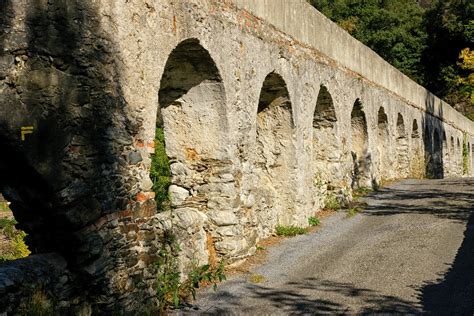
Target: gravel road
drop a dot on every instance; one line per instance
(410, 251)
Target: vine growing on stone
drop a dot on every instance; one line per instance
(171, 288)
(160, 173)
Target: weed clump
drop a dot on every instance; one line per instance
(14, 247)
(289, 231)
(353, 211)
(331, 202)
(171, 289)
(313, 221)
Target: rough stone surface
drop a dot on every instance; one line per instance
(263, 117)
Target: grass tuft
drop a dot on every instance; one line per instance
(289, 231)
(313, 221)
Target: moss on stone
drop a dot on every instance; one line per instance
(160, 172)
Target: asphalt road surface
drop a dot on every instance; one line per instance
(410, 251)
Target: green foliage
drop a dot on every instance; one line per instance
(392, 28)
(15, 247)
(171, 290)
(160, 172)
(450, 29)
(353, 211)
(360, 192)
(256, 278)
(331, 202)
(313, 221)
(288, 231)
(4, 207)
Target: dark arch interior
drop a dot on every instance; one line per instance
(415, 132)
(324, 113)
(402, 147)
(362, 160)
(383, 142)
(188, 65)
(437, 171)
(274, 93)
(445, 144)
(437, 141)
(326, 154)
(275, 150)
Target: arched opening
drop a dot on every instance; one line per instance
(437, 171)
(192, 102)
(459, 157)
(12, 239)
(452, 156)
(401, 148)
(445, 150)
(445, 143)
(326, 154)
(465, 156)
(275, 150)
(452, 151)
(361, 159)
(416, 161)
(383, 143)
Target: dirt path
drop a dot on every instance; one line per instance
(410, 251)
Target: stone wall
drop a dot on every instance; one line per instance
(266, 106)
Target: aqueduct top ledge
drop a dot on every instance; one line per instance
(312, 28)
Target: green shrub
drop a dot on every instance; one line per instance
(360, 192)
(313, 221)
(353, 211)
(331, 202)
(170, 289)
(160, 172)
(4, 207)
(16, 247)
(288, 231)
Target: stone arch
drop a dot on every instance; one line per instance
(415, 133)
(437, 171)
(361, 159)
(275, 150)
(325, 143)
(192, 102)
(459, 156)
(416, 161)
(401, 148)
(451, 150)
(383, 143)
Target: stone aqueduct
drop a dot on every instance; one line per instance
(266, 105)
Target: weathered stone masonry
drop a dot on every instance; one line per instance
(267, 107)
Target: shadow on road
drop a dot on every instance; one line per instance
(424, 199)
(454, 292)
(299, 299)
